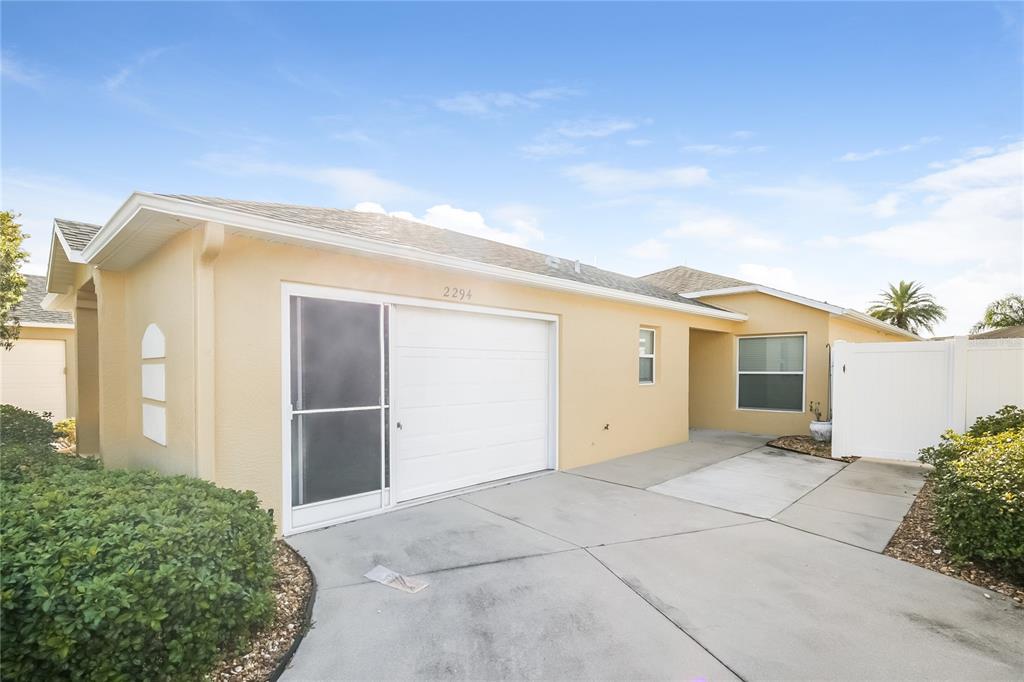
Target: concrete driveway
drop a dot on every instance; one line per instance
(573, 575)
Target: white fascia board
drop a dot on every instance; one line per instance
(858, 316)
(757, 288)
(46, 325)
(138, 201)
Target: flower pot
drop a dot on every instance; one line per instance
(821, 431)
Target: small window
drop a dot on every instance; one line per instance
(646, 356)
(771, 373)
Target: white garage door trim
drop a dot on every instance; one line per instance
(387, 501)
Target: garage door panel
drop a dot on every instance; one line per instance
(470, 467)
(470, 331)
(430, 440)
(472, 394)
(32, 376)
(488, 392)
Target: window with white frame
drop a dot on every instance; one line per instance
(646, 356)
(771, 373)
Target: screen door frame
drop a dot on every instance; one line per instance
(298, 518)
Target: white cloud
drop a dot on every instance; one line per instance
(649, 249)
(559, 140)
(972, 213)
(723, 230)
(589, 127)
(773, 276)
(604, 179)
(543, 148)
(40, 198)
(966, 295)
(353, 135)
(888, 205)
(638, 142)
(723, 149)
(18, 72)
(742, 134)
(521, 223)
(880, 151)
(496, 102)
(348, 184)
(117, 80)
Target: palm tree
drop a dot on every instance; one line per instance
(907, 306)
(1005, 312)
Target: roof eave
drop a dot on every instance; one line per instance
(101, 247)
(862, 318)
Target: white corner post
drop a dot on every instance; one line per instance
(958, 383)
(209, 241)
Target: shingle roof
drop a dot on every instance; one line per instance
(75, 233)
(385, 228)
(682, 280)
(30, 310)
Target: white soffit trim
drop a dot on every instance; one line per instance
(102, 247)
(839, 311)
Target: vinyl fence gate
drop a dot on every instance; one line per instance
(892, 399)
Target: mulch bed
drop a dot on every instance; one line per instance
(272, 647)
(916, 541)
(805, 445)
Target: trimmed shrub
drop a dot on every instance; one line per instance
(979, 496)
(24, 427)
(20, 463)
(1008, 417)
(128, 575)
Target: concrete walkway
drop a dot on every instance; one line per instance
(589, 575)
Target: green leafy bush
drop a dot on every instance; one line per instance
(1008, 417)
(24, 427)
(66, 434)
(979, 495)
(20, 463)
(128, 575)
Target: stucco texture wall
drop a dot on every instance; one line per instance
(713, 365)
(598, 382)
(846, 330)
(159, 290)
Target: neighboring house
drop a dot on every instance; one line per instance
(38, 373)
(339, 363)
(1015, 332)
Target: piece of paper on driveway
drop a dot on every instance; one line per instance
(385, 576)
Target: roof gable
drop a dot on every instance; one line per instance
(683, 280)
(75, 234)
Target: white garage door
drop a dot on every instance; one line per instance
(32, 376)
(471, 397)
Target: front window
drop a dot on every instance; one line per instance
(646, 356)
(771, 373)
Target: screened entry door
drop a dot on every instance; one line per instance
(339, 408)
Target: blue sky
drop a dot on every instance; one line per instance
(821, 148)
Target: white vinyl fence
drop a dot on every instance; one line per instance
(892, 399)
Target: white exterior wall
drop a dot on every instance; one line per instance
(892, 399)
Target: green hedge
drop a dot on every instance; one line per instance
(1006, 418)
(979, 495)
(126, 575)
(23, 427)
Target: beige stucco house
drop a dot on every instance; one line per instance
(38, 372)
(341, 363)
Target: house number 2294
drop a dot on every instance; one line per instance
(458, 293)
